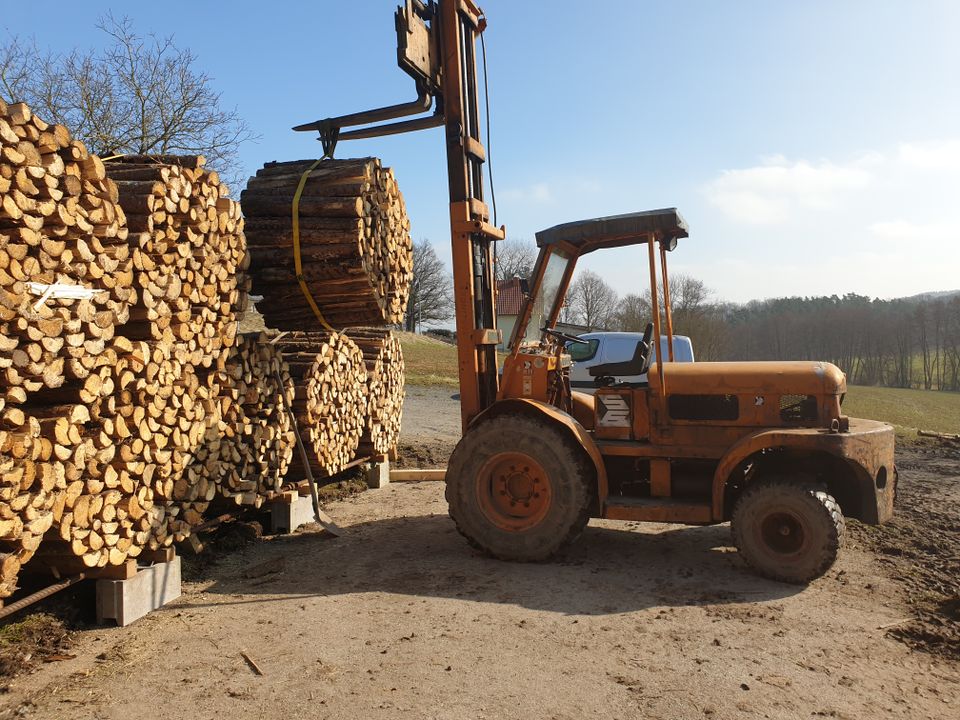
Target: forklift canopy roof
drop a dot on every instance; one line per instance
(617, 230)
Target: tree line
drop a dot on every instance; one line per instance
(912, 342)
(898, 343)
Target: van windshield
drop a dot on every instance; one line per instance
(579, 352)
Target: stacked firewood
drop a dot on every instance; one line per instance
(330, 401)
(127, 401)
(383, 358)
(190, 255)
(354, 239)
(66, 284)
(258, 444)
(156, 416)
(148, 476)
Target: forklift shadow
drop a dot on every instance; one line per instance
(610, 569)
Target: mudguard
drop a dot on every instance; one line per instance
(575, 430)
(867, 450)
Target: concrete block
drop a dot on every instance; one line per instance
(285, 517)
(378, 474)
(127, 600)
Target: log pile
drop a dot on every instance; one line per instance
(258, 442)
(330, 402)
(127, 401)
(66, 284)
(149, 474)
(383, 358)
(110, 431)
(189, 255)
(354, 239)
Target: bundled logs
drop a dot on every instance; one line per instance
(258, 442)
(157, 415)
(66, 284)
(127, 400)
(354, 243)
(149, 474)
(189, 255)
(330, 402)
(32, 485)
(383, 358)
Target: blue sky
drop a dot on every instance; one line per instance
(813, 147)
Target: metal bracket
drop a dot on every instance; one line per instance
(479, 227)
(418, 55)
(329, 134)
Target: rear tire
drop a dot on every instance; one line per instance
(788, 529)
(518, 488)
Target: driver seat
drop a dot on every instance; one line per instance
(637, 365)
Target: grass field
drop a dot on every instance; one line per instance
(433, 362)
(909, 410)
(429, 361)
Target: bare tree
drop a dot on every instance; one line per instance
(632, 313)
(592, 301)
(515, 258)
(140, 94)
(431, 291)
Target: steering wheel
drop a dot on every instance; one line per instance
(563, 336)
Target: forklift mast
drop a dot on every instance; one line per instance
(436, 46)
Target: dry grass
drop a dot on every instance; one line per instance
(908, 410)
(429, 361)
(37, 638)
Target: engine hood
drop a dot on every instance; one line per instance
(801, 377)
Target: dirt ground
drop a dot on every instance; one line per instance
(431, 427)
(399, 618)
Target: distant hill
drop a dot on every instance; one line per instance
(937, 295)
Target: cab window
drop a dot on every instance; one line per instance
(579, 352)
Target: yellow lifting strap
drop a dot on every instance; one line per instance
(298, 264)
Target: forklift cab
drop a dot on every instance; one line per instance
(537, 364)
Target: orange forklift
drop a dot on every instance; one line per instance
(764, 445)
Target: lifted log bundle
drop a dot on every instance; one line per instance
(330, 401)
(60, 225)
(354, 243)
(383, 357)
(258, 442)
(189, 253)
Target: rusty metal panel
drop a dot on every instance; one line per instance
(664, 512)
(641, 414)
(660, 478)
(736, 378)
(868, 445)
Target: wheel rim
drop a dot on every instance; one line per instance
(783, 533)
(513, 491)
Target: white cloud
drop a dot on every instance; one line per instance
(916, 233)
(537, 193)
(770, 193)
(936, 155)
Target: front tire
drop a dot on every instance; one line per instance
(518, 488)
(787, 529)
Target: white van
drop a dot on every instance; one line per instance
(613, 347)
